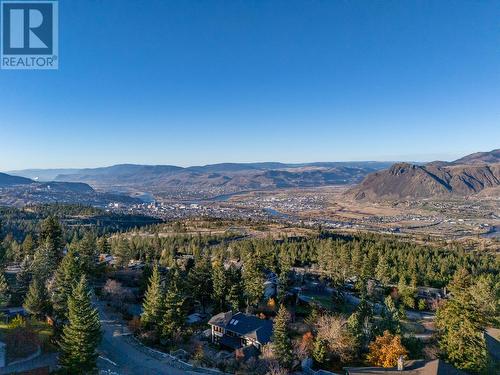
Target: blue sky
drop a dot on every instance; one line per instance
(198, 82)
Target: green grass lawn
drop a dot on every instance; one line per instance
(323, 300)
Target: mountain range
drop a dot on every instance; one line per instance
(211, 180)
(477, 174)
(473, 175)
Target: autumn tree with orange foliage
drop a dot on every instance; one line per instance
(385, 350)
(305, 346)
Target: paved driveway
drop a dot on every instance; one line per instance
(120, 355)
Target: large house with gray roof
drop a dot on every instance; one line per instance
(238, 330)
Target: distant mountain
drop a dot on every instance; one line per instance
(8, 180)
(464, 177)
(491, 157)
(66, 187)
(19, 191)
(214, 179)
(42, 174)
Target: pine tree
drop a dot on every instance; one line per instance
(360, 323)
(200, 282)
(23, 277)
(87, 251)
(122, 252)
(253, 281)
(153, 301)
(43, 264)
(36, 301)
(391, 317)
(234, 297)
(174, 315)
(4, 291)
(407, 293)
(66, 276)
(28, 245)
(81, 334)
(382, 270)
(320, 349)
(219, 280)
(103, 246)
(51, 238)
(282, 343)
(461, 322)
(282, 286)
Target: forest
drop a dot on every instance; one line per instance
(58, 254)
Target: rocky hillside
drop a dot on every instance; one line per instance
(464, 177)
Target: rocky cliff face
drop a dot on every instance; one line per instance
(434, 180)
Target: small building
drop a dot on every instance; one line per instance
(239, 330)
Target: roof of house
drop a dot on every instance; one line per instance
(419, 367)
(250, 326)
(493, 342)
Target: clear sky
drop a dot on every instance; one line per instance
(198, 81)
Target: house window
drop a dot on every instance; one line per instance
(218, 329)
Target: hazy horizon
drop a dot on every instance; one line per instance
(415, 160)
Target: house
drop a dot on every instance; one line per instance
(239, 330)
(417, 367)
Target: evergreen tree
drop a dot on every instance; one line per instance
(36, 301)
(282, 286)
(153, 301)
(87, 251)
(28, 246)
(43, 264)
(282, 343)
(320, 351)
(103, 246)
(382, 270)
(200, 282)
(122, 252)
(407, 293)
(461, 322)
(234, 297)
(174, 315)
(220, 286)
(4, 291)
(81, 334)
(66, 277)
(253, 281)
(391, 317)
(360, 324)
(23, 277)
(51, 238)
